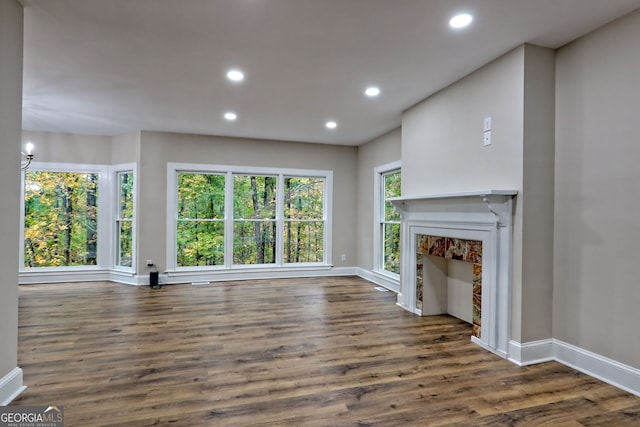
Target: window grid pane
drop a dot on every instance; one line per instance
(125, 243)
(201, 196)
(200, 243)
(125, 195)
(254, 197)
(303, 241)
(254, 242)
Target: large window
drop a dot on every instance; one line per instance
(225, 217)
(60, 219)
(387, 220)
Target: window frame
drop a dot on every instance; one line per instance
(103, 249)
(115, 219)
(378, 217)
(174, 169)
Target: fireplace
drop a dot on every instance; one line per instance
(474, 227)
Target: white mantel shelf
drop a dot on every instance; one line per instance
(475, 193)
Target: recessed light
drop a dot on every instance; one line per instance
(460, 21)
(235, 75)
(331, 125)
(231, 116)
(372, 91)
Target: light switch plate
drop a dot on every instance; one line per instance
(487, 123)
(487, 138)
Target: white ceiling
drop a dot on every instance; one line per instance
(115, 66)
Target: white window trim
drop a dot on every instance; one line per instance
(104, 256)
(173, 169)
(114, 171)
(378, 197)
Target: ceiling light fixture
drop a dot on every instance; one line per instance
(372, 91)
(460, 21)
(27, 158)
(331, 125)
(235, 75)
(231, 116)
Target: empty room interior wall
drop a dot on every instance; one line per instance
(52, 147)
(597, 196)
(158, 149)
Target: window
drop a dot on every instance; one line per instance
(60, 219)
(391, 224)
(200, 223)
(124, 219)
(254, 219)
(304, 222)
(231, 217)
(387, 220)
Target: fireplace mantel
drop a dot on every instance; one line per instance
(475, 193)
(471, 204)
(480, 215)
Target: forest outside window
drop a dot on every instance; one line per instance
(390, 224)
(60, 219)
(249, 217)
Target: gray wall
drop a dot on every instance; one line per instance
(125, 148)
(536, 301)
(380, 151)
(69, 148)
(157, 149)
(11, 15)
(597, 192)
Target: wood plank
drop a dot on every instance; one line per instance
(293, 352)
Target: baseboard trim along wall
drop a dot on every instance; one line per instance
(624, 377)
(174, 278)
(11, 386)
(379, 279)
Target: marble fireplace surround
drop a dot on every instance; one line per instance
(482, 215)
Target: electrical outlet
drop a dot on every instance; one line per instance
(149, 263)
(344, 257)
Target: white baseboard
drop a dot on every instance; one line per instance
(530, 353)
(610, 371)
(624, 377)
(29, 278)
(379, 279)
(11, 386)
(173, 278)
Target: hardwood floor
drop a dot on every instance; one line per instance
(295, 352)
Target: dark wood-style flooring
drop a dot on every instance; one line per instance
(295, 352)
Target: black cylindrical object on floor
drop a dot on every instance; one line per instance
(153, 279)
